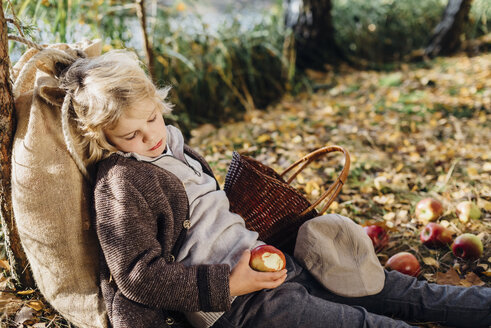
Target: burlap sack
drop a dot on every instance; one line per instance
(51, 203)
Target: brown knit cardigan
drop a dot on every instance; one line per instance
(142, 214)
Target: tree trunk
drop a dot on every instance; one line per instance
(147, 47)
(446, 35)
(314, 34)
(15, 253)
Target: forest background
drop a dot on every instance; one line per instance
(243, 78)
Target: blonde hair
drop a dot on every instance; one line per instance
(101, 89)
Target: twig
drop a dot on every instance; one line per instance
(450, 172)
(25, 41)
(441, 186)
(8, 291)
(15, 21)
(52, 321)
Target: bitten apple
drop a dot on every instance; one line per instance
(435, 235)
(404, 262)
(378, 235)
(428, 209)
(467, 210)
(467, 246)
(267, 258)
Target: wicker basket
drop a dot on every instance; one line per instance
(269, 204)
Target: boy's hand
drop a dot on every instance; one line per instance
(244, 280)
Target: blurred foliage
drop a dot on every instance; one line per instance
(217, 74)
(480, 19)
(220, 72)
(382, 31)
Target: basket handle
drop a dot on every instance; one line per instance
(335, 187)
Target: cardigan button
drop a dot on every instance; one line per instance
(171, 258)
(186, 224)
(169, 321)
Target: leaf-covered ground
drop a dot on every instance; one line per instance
(422, 131)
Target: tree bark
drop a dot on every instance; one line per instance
(16, 256)
(446, 35)
(140, 9)
(314, 35)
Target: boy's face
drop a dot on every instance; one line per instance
(140, 129)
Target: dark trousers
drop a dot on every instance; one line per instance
(302, 302)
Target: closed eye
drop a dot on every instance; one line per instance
(131, 136)
(153, 119)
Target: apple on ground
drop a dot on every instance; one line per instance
(267, 258)
(435, 235)
(467, 246)
(404, 262)
(428, 209)
(467, 210)
(378, 235)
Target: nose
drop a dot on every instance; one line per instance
(148, 137)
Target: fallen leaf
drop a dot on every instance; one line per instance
(471, 279)
(9, 303)
(402, 215)
(484, 266)
(448, 278)
(431, 262)
(311, 186)
(382, 258)
(485, 205)
(25, 292)
(25, 316)
(472, 172)
(263, 138)
(5, 264)
(445, 223)
(379, 182)
(389, 216)
(334, 206)
(384, 199)
(36, 305)
(430, 277)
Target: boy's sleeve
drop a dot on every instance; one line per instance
(128, 233)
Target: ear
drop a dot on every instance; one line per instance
(94, 49)
(50, 92)
(52, 95)
(17, 68)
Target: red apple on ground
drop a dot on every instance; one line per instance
(378, 235)
(435, 235)
(404, 262)
(267, 258)
(428, 209)
(467, 246)
(467, 210)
